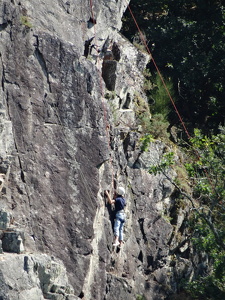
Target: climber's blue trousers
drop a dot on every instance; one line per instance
(119, 224)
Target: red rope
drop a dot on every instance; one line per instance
(92, 12)
(160, 75)
(165, 86)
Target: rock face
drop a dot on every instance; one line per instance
(34, 277)
(71, 90)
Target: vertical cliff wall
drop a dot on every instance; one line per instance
(70, 95)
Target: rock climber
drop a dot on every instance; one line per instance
(120, 204)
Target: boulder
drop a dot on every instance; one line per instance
(32, 277)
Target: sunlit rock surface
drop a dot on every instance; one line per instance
(71, 87)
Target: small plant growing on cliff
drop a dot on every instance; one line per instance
(148, 84)
(140, 297)
(139, 41)
(161, 101)
(145, 141)
(25, 21)
(110, 95)
(158, 127)
(142, 112)
(182, 178)
(166, 162)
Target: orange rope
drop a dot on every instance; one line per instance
(160, 75)
(92, 12)
(164, 84)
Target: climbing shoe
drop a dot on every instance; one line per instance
(116, 244)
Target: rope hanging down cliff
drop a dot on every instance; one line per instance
(165, 86)
(158, 71)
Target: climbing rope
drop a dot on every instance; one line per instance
(158, 71)
(165, 86)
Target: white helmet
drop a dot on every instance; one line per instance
(121, 191)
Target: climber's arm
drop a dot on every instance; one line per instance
(111, 201)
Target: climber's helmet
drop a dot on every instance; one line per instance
(120, 191)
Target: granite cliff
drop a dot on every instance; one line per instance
(71, 93)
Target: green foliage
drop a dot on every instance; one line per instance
(206, 170)
(209, 164)
(182, 179)
(166, 162)
(186, 39)
(148, 84)
(140, 47)
(205, 288)
(140, 297)
(158, 127)
(162, 103)
(145, 141)
(142, 112)
(110, 95)
(157, 124)
(25, 21)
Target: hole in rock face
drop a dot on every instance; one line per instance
(22, 176)
(2, 27)
(150, 260)
(109, 74)
(127, 102)
(92, 20)
(116, 51)
(140, 256)
(109, 66)
(81, 295)
(87, 47)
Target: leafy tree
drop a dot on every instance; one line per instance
(187, 40)
(206, 169)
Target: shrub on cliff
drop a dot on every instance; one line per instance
(206, 169)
